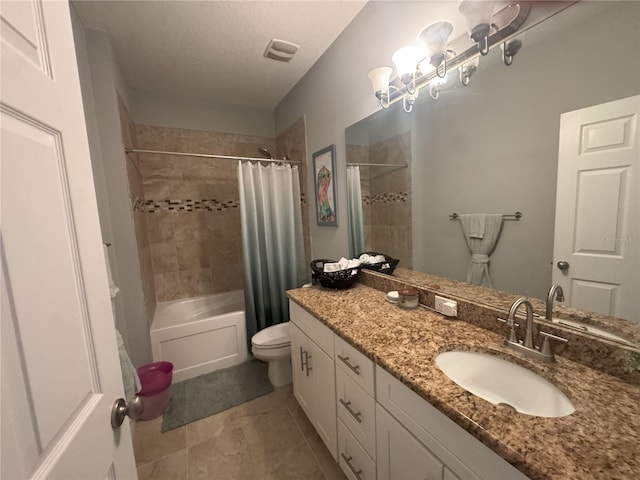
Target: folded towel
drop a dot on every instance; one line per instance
(342, 264)
(130, 377)
(474, 224)
(371, 259)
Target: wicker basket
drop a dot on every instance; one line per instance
(387, 267)
(340, 280)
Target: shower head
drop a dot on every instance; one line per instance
(265, 152)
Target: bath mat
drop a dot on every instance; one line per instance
(207, 394)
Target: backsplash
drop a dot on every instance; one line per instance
(614, 359)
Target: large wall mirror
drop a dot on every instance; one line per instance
(492, 147)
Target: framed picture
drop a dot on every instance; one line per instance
(324, 170)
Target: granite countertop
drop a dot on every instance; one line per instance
(600, 440)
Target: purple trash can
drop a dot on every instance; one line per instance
(156, 380)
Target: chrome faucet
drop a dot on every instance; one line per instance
(559, 294)
(527, 346)
(530, 328)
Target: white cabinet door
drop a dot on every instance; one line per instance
(314, 386)
(302, 384)
(324, 378)
(60, 370)
(400, 455)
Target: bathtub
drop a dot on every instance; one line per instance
(201, 334)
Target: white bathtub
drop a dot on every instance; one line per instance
(201, 334)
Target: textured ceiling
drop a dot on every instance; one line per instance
(213, 50)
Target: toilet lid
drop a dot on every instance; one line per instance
(273, 336)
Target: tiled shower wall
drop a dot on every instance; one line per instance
(192, 209)
(139, 218)
(386, 196)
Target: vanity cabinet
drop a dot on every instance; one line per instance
(312, 365)
(373, 424)
(449, 452)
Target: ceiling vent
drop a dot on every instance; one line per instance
(281, 50)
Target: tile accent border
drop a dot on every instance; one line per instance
(391, 197)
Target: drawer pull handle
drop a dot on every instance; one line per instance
(351, 467)
(355, 415)
(355, 368)
(301, 360)
(306, 362)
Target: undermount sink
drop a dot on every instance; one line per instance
(504, 383)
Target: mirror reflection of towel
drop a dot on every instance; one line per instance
(473, 224)
(481, 247)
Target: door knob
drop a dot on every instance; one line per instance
(121, 409)
(562, 265)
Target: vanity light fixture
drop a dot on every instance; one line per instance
(509, 50)
(478, 14)
(435, 38)
(435, 85)
(467, 70)
(380, 82)
(417, 67)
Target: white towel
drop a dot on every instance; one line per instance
(341, 264)
(370, 259)
(130, 377)
(113, 288)
(474, 224)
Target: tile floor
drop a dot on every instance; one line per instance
(267, 438)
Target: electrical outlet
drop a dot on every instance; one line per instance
(446, 307)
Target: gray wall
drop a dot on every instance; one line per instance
(101, 81)
(149, 108)
(336, 93)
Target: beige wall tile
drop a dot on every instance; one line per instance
(164, 257)
(227, 277)
(167, 286)
(192, 255)
(160, 226)
(195, 282)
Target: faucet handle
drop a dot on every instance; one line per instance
(509, 321)
(546, 348)
(512, 324)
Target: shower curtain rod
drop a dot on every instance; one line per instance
(207, 155)
(401, 165)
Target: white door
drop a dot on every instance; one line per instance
(60, 369)
(597, 231)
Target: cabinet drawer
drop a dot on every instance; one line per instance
(357, 410)
(358, 367)
(464, 455)
(353, 459)
(312, 327)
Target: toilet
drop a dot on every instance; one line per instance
(273, 345)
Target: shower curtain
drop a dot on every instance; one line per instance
(272, 243)
(354, 203)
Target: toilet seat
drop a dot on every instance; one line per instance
(275, 336)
